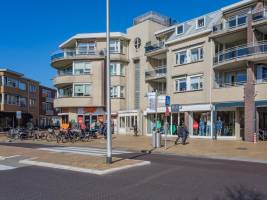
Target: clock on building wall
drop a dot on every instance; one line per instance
(137, 43)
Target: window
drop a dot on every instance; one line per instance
(180, 85)
(264, 73)
(32, 88)
(114, 46)
(237, 20)
(86, 48)
(196, 54)
(196, 83)
(22, 86)
(180, 29)
(22, 102)
(137, 43)
(32, 102)
(81, 68)
(201, 22)
(117, 69)
(117, 92)
(65, 92)
(181, 57)
(11, 99)
(65, 71)
(11, 82)
(82, 90)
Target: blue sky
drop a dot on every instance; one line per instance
(31, 30)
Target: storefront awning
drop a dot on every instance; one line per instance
(229, 105)
(262, 103)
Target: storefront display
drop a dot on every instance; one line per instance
(201, 124)
(225, 123)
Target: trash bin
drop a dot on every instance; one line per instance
(158, 139)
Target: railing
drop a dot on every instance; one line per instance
(223, 84)
(154, 47)
(154, 16)
(75, 53)
(240, 51)
(257, 15)
(156, 73)
(65, 73)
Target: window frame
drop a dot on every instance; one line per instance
(179, 80)
(181, 25)
(197, 24)
(84, 89)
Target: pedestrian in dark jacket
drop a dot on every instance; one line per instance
(182, 133)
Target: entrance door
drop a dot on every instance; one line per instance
(263, 120)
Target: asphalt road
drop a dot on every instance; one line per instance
(168, 177)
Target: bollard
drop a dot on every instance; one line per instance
(158, 139)
(154, 139)
(254, 138)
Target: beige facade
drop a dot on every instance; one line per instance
(213, 68)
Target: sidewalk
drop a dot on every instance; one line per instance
(221, 149)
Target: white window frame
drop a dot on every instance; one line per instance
(200, 57)
(83, 85)
(117, 69)
(85, 70)
(198, 19)
(86, 47)
(116, 45)
(117, 91)
(177, 57)
(181, 25)
(179, 80)
(200, 82)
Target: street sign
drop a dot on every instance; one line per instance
(167, 101)
(18, 114)
(175, 108)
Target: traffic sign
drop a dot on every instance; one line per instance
(18, 114)
(167, 101)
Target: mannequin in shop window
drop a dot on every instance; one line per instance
(219, 126)
(208, 126)
(195, 127)
(201, 127)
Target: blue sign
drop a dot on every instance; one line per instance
(175, 108)
(167, 101)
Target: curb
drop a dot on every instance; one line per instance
(83, 170)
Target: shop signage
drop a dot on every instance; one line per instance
(175, 108)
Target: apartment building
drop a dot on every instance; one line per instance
(47, 112)
(18, 93)
(213, 67)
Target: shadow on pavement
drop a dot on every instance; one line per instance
(240, 193)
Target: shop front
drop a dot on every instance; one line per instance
(229, 120)
(126, 121)
(197, 118)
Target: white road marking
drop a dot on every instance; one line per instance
(6, 167)
(83, 150)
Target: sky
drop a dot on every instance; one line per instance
(31, 30)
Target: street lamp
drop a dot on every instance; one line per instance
(108, 104)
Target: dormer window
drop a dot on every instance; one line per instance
(180, 29)
(201, 22)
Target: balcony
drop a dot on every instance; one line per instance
(155, 49)
(253, 51)
(68, 54)
(223, 84)
(157, 73)
(238, 22)
(73, 102)
(69, 79)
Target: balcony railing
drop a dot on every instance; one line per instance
(223, 84)
(257, 15)
(75, 53)
(154, 47)
(240, 51)
(156, 73)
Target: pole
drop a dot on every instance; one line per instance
(108, 104)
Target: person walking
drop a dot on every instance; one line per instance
(179, 134)
(184, 133)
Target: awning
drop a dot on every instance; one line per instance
(236, 104)
(262, 103)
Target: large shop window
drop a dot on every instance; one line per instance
(82, 68)
(82, 90)
(225, 123)
(201, 124)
